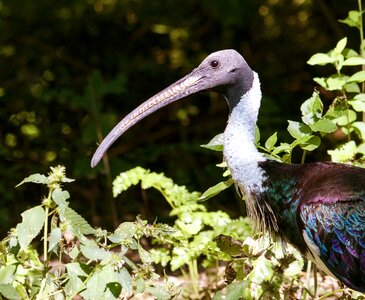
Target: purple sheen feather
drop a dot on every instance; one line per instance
(342, 237)
(336, 246)
(362, 261)
(352, 251)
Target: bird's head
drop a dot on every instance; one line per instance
(224, 71)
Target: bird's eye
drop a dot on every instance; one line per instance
(214, 64)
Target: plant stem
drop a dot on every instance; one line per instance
(193, 271)
(45, 233)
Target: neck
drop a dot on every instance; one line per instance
(240, 151)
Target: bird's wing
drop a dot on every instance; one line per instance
(335, 235)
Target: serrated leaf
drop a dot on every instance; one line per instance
(60, 198)
(125, 280)
(159, 292)
(124, 232)
(344, 153)
(357, 77)
(320, 59)
(271, 141)
(94, 252)
(54, 238)
(74, 283)
(35, 178)
(215, 143)
(97, 283)
(216, 189)
(127, 179)
(144, 255)
(354, 61)
(229, 245)
(78, 224)
(31, 225)
(232, 291)
(298, 130)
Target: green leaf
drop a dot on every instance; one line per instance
(271, 141)
(229, 245)
(257, 135)
(332, 83)
(354, 61)
(312, 109)
(97, 283)
(233, 291)
(344, 153)
(35, 178)
(144, 255)
(54, 238)
(312, 143)
(340, 45)
(125, 280)
(348, 118)
(31, 225)
(160, 292)
(115, 288)
(94, 252)
(298, 130)
(59, 197)
(359, 129)
(124, 233)
(353, 19)
(9, 292)
(357, 77)
(74, 283)
(78, 224)
(7, 274)
(320, 59)
(215, 143)
(323, 125)
(216, 189)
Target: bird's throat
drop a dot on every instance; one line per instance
(240, 151)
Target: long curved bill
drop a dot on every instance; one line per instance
(189, 84)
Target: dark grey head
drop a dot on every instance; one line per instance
(223, 71)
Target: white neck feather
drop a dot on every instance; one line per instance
(240, 151)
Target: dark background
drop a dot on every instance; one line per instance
(72, 69)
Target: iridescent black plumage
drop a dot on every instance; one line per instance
(320, 208)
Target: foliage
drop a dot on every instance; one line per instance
(194, 227)
(77, 258)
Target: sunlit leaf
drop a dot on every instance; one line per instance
(271, 141)
(216, 189)
(215, 143)
(341, 44)
(344, 153)
(298, 130)
(31, 225)
(354, 61)
(320, 59)
(357, 77)
(35, 178)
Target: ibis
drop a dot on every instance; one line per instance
(317, 207)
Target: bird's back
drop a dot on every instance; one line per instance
(320, 209)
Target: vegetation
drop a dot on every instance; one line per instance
(52, 251)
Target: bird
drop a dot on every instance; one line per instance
(318, 207)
